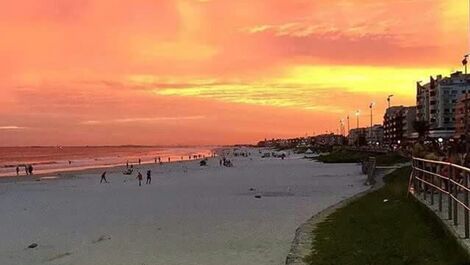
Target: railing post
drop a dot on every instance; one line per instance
(440, 186)
(425, 178)
(433, 169)
(420, 175)
(415, 174)
(455, 190)
(465, 181)
(449, 190)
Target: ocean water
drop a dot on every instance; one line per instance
(67, 158)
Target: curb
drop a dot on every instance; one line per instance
(302, 243)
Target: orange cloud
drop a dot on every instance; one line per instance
(98, 72)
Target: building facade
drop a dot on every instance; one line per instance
(436, 102)
(329, 139)
(357, 136)
(375, 135)
(462, 116)
(367, 135)
(398, 124)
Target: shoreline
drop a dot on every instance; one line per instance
(53, 160)
(86, 171)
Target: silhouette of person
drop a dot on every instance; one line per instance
(149, 177)
(17, 170)
(103, 178)
(140, 161)
(30, 169)
(139, 177)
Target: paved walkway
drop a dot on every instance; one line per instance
(432, 202)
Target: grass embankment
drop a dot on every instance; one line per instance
(371, 231)
(346, 156)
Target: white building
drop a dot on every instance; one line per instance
(436, 101)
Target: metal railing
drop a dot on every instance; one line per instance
(446, 181)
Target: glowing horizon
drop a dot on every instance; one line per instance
(188, 72)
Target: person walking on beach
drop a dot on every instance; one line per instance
(139, 177)
(30, 169)
(17, 170)
(169, 160)
(26, 169)
(140, 161)
(127, 164)
(103, 178)
(149, 177)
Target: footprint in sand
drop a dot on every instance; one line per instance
(59, 256)
(101, 238)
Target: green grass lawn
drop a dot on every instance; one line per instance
(346, 156)
(369, 231)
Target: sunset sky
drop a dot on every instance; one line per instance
(168, 72)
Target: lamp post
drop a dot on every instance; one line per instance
(388, 100)
(370, 129)
(467, 144)
(357, 119)
(340, 126)
(343, 127)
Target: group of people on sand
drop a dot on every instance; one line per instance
(158, 160)
(139, 177)
(28, 168)
(225, 162)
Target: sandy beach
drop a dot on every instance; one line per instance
(189, 215)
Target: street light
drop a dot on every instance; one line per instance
(357, 118)
(388, 99)
(370, 129)
(341, 126)
(467, 144)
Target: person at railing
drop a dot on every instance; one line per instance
(452, 156)
(419, 149)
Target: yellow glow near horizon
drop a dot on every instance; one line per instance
(312, 87)
(362, 79)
